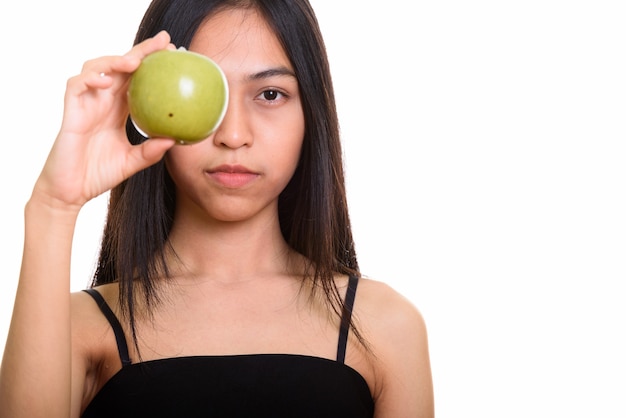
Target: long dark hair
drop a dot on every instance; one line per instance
(313, 210)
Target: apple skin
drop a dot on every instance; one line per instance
(177, 94)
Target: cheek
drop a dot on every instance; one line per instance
(283, 158)
(295, 151)
(172, 160)
(179, 162)
(293, 148)
(281, 137)
(297, 139)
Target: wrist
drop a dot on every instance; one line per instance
(43, 207)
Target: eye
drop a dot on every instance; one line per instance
(271, 95)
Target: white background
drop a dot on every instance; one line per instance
(485, 154)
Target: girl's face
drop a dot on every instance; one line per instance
(241, 169)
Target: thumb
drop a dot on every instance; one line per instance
(151, 151)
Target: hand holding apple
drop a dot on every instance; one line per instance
(177, 94)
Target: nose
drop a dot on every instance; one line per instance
(235, 130)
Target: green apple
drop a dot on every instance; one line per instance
(177, 94)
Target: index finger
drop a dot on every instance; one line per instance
(159, 41)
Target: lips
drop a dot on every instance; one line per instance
(232, 176)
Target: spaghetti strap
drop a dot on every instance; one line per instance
(346, 318)
(122, 348)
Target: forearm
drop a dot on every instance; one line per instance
(36, 368)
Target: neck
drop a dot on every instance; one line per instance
(231, 251)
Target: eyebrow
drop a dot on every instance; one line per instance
(272, 72)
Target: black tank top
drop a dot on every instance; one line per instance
(234, 386)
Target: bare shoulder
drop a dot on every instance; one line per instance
(93, 344)
(396, 331)
(387, 312)
(85, 309)
(89, 325)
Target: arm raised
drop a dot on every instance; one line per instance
(90, 155)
